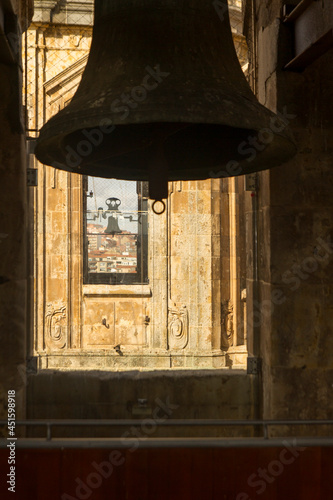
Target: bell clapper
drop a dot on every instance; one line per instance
(158, 165)
(158, 175)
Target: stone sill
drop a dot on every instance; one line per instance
(145, 361)
(117, 290)
(237, 349)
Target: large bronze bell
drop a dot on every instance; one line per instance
(163, 97)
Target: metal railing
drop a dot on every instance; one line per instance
(50, 441)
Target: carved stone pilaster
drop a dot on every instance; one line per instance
(55, 326)
(177, 327)
(227, 324)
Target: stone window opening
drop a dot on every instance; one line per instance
(115, 232)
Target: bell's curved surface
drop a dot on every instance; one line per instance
(163, 91)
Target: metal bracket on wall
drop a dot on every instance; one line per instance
(32, 177)
(32, 173)
(253, 365)
(251, 182)
(312, 22)
(31, 143)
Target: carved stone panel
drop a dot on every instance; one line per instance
(55, 320)
(109, 322)
(227, 324)
(177, 327)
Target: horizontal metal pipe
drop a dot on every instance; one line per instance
(134, 443)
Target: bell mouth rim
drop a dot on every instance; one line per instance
(53, 131)
(131, 164)
(215, 172)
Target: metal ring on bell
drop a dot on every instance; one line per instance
(163, 209)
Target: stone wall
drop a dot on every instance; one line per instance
(13, 207)
(295, 232)
(133, 394)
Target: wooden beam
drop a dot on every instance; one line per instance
(297, 11)
(312, 22)
(304, 59)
